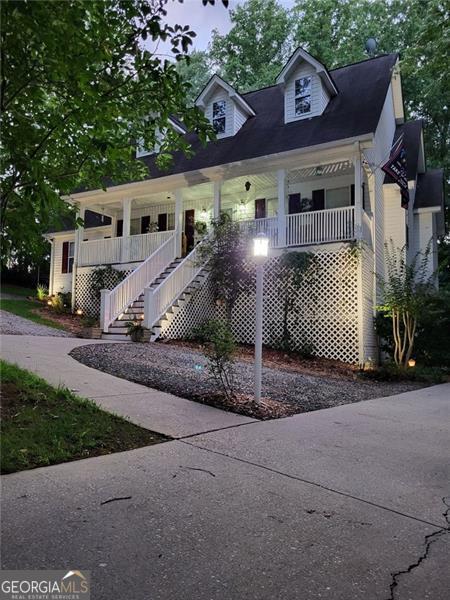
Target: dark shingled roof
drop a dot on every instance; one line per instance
(430, 189)
(354, 111)
(413, 135)
(91, 219)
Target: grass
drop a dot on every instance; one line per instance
(24, 308)
(18, 290)
(42, 425)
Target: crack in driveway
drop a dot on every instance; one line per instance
(429, 540)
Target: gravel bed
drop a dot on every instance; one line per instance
(11, 324)
(182, 371)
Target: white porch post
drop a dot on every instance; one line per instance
(52, 267)
(282, 193)
(358, 192)
(178, 222)
(126, 208)
(216, 206)
(79, 235)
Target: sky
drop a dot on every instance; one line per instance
(203, 19)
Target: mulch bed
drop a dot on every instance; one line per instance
(71, 323)
(290, 388)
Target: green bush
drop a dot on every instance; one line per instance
(432, 338)
(391, 372)
(219, 347)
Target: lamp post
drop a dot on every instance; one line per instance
(260, 253)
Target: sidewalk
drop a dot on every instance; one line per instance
(158, 411)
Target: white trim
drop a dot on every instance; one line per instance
(255, 165)
(428, 209)
(318, 66)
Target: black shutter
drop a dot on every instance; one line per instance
(352, 195)
(294, 204)
(260, 208)
(318, 199)
(119, 227)
(145, 224)
(162, 222)
(65, 256)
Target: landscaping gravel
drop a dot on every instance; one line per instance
(11, 324)
(183, 371)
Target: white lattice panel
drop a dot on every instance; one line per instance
(84, 298)
(327, 317)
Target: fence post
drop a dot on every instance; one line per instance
(149, 308)
(104, 310)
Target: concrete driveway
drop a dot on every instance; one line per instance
(346, 503)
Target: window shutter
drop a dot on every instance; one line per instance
(294, 204)
(145, 224)
(162, 222)
(260, 208)
(65, 257)
(352, 195)
(318, 198)
(119, 227)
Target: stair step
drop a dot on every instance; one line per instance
(116, 337)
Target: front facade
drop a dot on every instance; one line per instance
(300, 161)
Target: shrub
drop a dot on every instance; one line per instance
(105, 278)
(219, 349)
(41, 292)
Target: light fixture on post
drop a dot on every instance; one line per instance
(260, 254)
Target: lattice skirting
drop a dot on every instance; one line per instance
(325, 320)
(84, 298)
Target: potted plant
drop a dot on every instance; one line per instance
(91, 329)
(136, 331)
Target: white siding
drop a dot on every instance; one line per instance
(239, 118)
(319, 95)
(394, 217)
(62, 282)
(424, 232)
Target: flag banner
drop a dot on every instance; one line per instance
(395, 166)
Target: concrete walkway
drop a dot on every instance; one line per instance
(342, 504)
(158, 411)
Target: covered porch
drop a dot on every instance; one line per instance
(308, 205)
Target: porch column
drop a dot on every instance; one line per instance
(126, 209)
(79, 235)
(216, 206)
(178, 222)
(358, 192)
(282, 193)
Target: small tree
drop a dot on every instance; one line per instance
(406, 289)
(219, 347)
(225, 251)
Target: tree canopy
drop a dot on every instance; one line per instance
(78, 85)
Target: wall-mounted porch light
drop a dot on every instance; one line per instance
(204, 214)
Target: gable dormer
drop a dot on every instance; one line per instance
(308, 87)
(224, 107)
(159, 135)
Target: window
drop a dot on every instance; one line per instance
(135, 226)
(302, 96)
(338, 197)
(219, 109)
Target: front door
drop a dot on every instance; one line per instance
(260, 208)
(189, 221)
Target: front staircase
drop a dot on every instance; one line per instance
(135, 312)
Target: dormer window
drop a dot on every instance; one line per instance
(302, 96)
(219, 119)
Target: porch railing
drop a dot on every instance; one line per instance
(268, 226)
(115, 301)
(321, 226)
(157, 301)
(121, 249)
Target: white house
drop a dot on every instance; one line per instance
(289, 160)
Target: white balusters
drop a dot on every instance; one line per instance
(119, 298)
